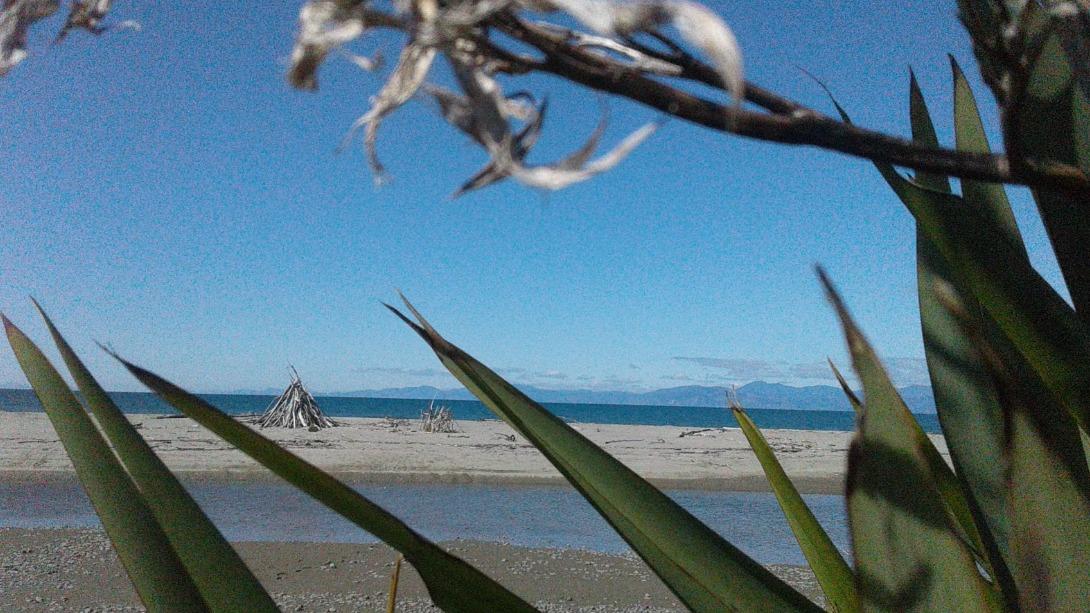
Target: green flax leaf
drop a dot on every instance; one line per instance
(145, 552)
(832, 572)
(923, 132)
(973, 420)
(1047, 480)
(1049, 120)
(969, 136)
(454, 585)
(706, 572)
(218, 572)
(857, 404)
(1044, 344)
(965, 398)
(908, 554)
(1035, 320)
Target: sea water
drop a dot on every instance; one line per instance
(336, 406)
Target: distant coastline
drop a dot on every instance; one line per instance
(753, 395)
(714, 416)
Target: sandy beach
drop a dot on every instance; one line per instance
(62, 569)
(383, 450)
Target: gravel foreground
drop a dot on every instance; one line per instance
(77, 570)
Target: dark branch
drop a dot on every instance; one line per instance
(785, 121)
(789, 122)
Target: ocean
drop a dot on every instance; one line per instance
(337, 406)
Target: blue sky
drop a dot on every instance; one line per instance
(166, 192)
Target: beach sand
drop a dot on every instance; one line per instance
(382, 450)
(77, 570)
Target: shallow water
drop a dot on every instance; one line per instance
(528, 516)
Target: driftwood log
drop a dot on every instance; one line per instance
(295, 408)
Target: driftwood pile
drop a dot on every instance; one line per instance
(437, 419)
(295, 408)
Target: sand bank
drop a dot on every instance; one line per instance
(381, 450)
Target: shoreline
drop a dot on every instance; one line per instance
(384, 451)
(745, 483)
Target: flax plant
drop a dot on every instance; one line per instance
(1005, 528)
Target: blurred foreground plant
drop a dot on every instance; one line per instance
(1006, 529)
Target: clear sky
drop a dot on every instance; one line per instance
(166, 192)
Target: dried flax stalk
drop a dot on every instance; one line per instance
(16, 17)
(459, 31)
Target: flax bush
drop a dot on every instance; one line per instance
(1006, 528)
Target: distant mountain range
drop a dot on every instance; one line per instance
(756, 395)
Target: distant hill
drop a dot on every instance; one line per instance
(756, 395)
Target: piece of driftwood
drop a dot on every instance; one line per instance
(700, 432)
(295, 408)
(437, 419)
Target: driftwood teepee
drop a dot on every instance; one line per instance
(295, 408)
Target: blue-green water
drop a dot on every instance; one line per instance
(527, 516)
(695, 417)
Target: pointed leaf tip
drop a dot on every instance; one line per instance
(830, 290)
(412, 324)
(420, 318)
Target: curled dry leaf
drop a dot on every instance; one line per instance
(697, 24)
(409, 74)
(638, 60)
(368, 64)
(324, 25)
(16, 17)
(88, 15)
(492, 130)
(558, 177)
(524, 142)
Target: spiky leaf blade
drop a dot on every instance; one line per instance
(1047, 482)
(908, 556)
(145, 552)
(220, 575)
(1034, 319)
(1044, 343)
(705, 571)
(832, 572)
(857, 404)
(453, 584)
(965, 399)
(1049, 122)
